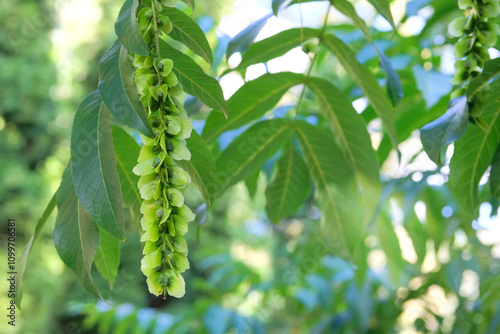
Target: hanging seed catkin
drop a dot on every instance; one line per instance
(165, 217)
(477, 32)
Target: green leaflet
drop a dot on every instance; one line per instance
(418, 235)
(190, 3)
(252, 183)
(346, 8)
(127, 151)
(93, 165)
(118, 90)
(276, 4)
(367, 82)
(491, 70)
(290, 186)
(434, 201)
(23, 259)
(276, 45)
(247, 153)
(251, 102)
(390, 244)
(446, 129)
(242, 41)
(495, 175)
(186, 31)
(336, 191)
(76, 236)
(107, 257)
(411, 114)
(201, 167)
(394, 87)
(353, 138)
(194, 80)
(383, 7)
(472, 156)
(294, 2)
(127, 29)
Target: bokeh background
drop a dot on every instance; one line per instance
(428, 273)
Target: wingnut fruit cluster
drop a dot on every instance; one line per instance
(165, 217)
(477, 32)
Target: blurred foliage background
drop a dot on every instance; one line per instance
(429, 272)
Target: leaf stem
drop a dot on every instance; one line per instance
(45, 216)
(155, 23)
(313, 62)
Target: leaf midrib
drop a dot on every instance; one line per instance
(179, 72)
(99, 157)
(108, 270)
(205, 55)
(201, 178)
(132, 184)
(339, 128)
(287, 181)
(251, 158)
(323, 178)
(374, 101)
(244, 112)
(476, 161)
(245, 62)
(80, 238)
(490, 75)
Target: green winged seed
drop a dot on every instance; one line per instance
(179, 151)
(179, 261)
(171, 79)
(179, 177)
(151, 234)
(145, 206)
(180, 224)
(180, 244)
(148, 190)
(175, 196)
(145, 179)
(179, 107)
(139, 61)
(158, 191)
(186, 212)
(171, 227)
(144, 81)
(154, 283)
(176, 287)
(186, 127)
(168, 64)
(145, 167)
(169, 245)
(152, 213)
(175, 90)
(149, 247)
(146, 223)
(147, 141)
(148, 205)
(165, 216)
(146, 152)
(162, 213)
(174, 124)
(151, 260)
(164, 91)
(144, 17)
